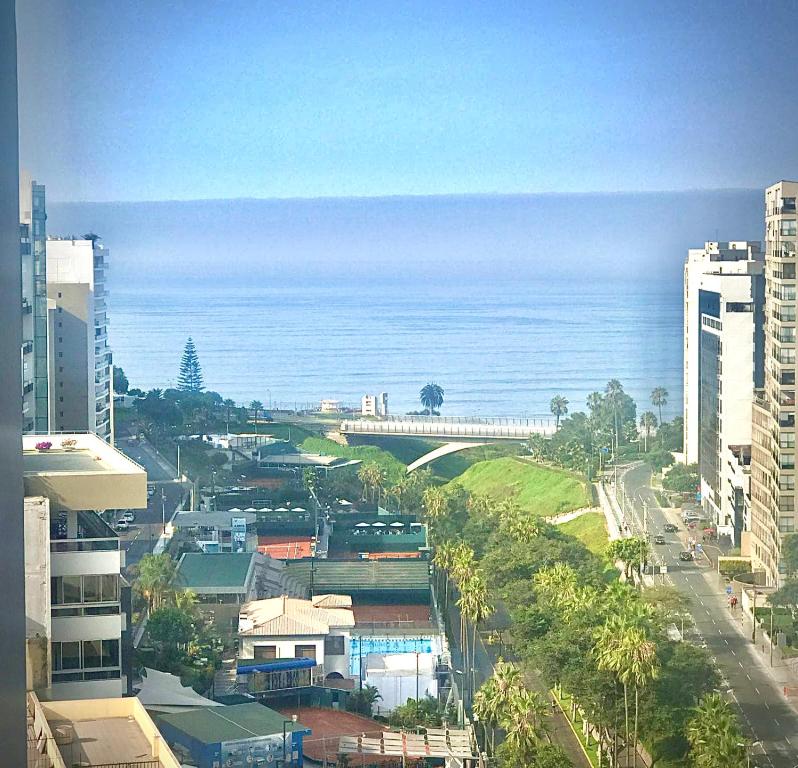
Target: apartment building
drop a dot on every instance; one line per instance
(723, 352)
(773, 436)
(81, 384)
(33, 242)
(76, 600)
(374, 405)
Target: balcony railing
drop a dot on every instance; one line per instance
(84, 545)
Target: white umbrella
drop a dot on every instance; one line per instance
(265, 509)
(235, 509)
(362, 525)
(378, 525)
(250, 509)
(416, 525)
(281, 509)
(345, 503)
(298, 509)
(397, 524)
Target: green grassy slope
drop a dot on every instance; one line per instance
(540, 490)
(590, 529)
(393, 468)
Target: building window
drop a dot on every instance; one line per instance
(305, 652)
(265, 652)
(788, 228)
(74, 590)
(334, 645)
(786, 524)
(66, 656)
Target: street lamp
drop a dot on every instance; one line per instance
(288, 722)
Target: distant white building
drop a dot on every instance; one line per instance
(723, 362)
(374, 405)
(330, 406)
(289, 628)
(81, 390)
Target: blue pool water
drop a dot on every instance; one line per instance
(360, 648)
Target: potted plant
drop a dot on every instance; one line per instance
(69, 443)
(44, 445)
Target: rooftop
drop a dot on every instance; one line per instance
(280, 616)
(97, 732)
(81, 471)
(190, 519)
(212, 725)
(200, 571)
(351, 576)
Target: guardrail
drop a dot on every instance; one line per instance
(513, 429)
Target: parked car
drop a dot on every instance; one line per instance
(122, 525)
(150, 491)
(686, 556)
(128, 517)
(670, 528)
(659, 539)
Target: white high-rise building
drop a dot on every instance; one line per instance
(81, 387)
(723, 363)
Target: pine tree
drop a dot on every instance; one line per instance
(189, 379)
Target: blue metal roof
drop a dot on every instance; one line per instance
(277, 665)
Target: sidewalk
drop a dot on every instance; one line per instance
(784, 672)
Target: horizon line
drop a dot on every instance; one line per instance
(412, 196)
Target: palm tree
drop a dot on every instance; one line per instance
(524, 725)
(517, 523)
(257, 406)
(648, 421)
(435, 503)
(372, 478)
(714, 735)
(613, 393)
(475, 607)
(442, 561)
(431, 397)
(559, 407)
(492, 700)
(185, 600)
(156, 577)
(659, 398)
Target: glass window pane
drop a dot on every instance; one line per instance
(56, 590)
(92, 653)
(71, 587)
(91, 589)
(110, 649)
(110, 589)
(70, 655)
(56, 656)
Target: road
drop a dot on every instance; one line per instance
(770, 721)
(144, 532)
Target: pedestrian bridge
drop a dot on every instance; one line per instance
(444, 427)
(437, 453)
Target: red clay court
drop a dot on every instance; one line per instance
(328, 725)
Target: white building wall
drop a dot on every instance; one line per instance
(286, 649)
(704, 269)
(70, 628)
(86, 563)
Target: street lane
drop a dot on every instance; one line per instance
(765, 712)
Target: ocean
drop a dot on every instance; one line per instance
(501, 349)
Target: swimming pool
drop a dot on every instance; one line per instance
(360, 647)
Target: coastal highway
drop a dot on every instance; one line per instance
(769, 720)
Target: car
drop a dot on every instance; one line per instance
(128, 517)
(122, 525)
(670, 528)
(659, 539)
(687, 556)
(150, 491)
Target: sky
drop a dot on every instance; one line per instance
(166, 100)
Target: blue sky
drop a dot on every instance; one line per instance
(168, 100)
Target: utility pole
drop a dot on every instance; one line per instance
(753, 635)
(163, 511)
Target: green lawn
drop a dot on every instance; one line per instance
(590, 529)
(538, 489)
